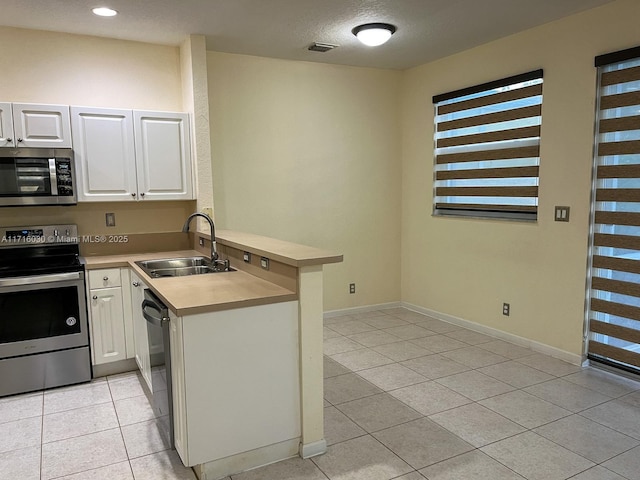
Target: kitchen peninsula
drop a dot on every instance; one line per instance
(246, 351)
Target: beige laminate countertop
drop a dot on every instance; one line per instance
(285, 252)
(199, 293)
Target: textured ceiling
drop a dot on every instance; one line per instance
(427, 29)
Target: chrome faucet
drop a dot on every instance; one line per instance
(185, 229)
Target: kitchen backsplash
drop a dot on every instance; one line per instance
(161, 220)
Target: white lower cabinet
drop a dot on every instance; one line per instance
(142, 352)
(178, 387)
(235, 380)
(109, 320)
(108, 339)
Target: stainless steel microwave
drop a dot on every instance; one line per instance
(37, 176)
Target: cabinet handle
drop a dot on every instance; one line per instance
(106, 279)
(7, 140)
(142, 194)
(135, 284)
(133, 194)
(95, 297)
(19, 140)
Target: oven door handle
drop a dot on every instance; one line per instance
(55, 277)
(157, 321)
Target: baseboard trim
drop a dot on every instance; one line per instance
(572, 358)
(313, 449)
(223, 467)
(113, 368)
(366, 308)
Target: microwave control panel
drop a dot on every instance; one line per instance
(64, 177)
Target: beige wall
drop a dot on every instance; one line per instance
(131, 217)
(195, 94)
(468, 268)
(341, 158)
(310, 153)
(46, 67)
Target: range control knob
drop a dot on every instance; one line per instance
(71, 321)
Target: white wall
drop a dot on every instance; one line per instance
(467, 268)
(310, 153)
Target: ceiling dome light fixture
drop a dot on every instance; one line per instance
(374, 34)
(104, 12)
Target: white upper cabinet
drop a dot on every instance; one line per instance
(104, 153)
(6, 126)
(33, 125)
(163, 155)
(124, 155)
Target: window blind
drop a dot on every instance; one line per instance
(487, 148)
(614, 295)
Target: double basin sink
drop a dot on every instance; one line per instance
(184, 266)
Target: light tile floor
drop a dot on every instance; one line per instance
(407, 397)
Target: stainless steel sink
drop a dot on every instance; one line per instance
(180, 267)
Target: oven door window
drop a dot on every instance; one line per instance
(24, 177)
(42, 313)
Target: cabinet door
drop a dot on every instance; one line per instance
(163, 155)
(143, 358)
(178, 388)
(125, 275)
(107, 325)
(105, 154)
(41, 125)
(6, 126)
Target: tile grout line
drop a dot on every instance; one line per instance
(516, 389)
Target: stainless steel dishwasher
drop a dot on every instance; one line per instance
(157, 316)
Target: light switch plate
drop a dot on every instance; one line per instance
(246, 256)
(561, 214)
(264, 263)
(110, 219)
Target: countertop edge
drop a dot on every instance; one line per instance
(289, 253)
(181, 312)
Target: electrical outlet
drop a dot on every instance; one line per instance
(246, 256)
(264, 263)
(201, 241)
(352, 288)
(506, 308)
(208, 211)
(110, 219)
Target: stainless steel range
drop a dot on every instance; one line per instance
(44, 339)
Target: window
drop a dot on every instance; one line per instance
(487, 149)
(614, 296)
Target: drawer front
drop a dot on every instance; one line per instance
(108, 277)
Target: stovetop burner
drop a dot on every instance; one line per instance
(39, 250)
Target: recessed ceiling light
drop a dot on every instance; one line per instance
(374, 34)
(104, 12)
